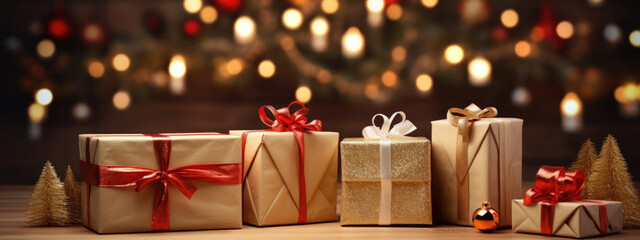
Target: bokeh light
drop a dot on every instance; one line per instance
(244, 30)
(177, 66)
(523, 49)
(303, 94)
(121, 100)
(626, 93)
(208, 14)
(429, 3)
(564, 29)
(192, 6)
(479, 71)
(424, 83)
(235, 66)
(571, 104)
(375, 6)
(319, 26)
(389, 79)
(372, 91)
(266, 68)
(634, 38)
(93, 33)
(612, 33)
(324, 76)
(509, 18)
(330, 6)
(394, 12)
(36, 112)
(46, 48)
(399, 53)
(95, 69)
(352, 43)
(44, 96)
(81, 111)
(454, 54)
(292, 18)
(521, 97)
(121, 62)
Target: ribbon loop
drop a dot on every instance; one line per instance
(400, 129)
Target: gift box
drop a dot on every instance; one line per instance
(477, 157)
(386, 177)
(290, 173)
(160, 182)
(555, 207)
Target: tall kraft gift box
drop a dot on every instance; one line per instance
(290, 170)
(160, 182)
(477, 157)
(386, 176)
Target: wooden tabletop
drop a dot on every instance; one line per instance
(14, 201)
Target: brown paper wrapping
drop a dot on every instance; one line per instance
(271, 190)
(570, 219)
(410, 184)
(120, 210)
(494, 172)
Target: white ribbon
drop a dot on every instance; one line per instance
(383, 133)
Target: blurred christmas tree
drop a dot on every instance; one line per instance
(586, 157)
(72, 191)
(48, 206)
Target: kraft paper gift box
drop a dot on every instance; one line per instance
(405, 198)
(113, 166)
(483, 163)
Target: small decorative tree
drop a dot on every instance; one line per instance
(586, 157)
(72, 191)
(48, 206)
(610, 180)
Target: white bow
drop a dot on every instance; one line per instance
(401, 129)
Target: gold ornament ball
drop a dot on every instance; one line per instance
(486, 218)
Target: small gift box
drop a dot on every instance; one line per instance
(386, 176)
(476, 158)
(160, 182)
(290, 170)
(555, 207)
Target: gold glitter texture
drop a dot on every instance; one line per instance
(411, 181)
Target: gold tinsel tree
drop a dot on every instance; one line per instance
(586, 157)
(72, 191)
(610, 180)
(48, 206)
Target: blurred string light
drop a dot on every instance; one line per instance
(177, 70)
(319, 29)
(266, 68)
(374, 12)
(12, 43)
(160, 79)
(398, 53)
(479, 72)
(292, 18)
(612, 33)
(523, 49)
(634, 38)
(595, 3)
(208, 14)
(394, 12)
(352, 43)
(324, 76)
(571, 109)
(81, 111)
(46, 48)
(429, 3)
(303, 94)
(192, 6)
(235, 66)
(121, 100)
(95, 69)
(564, 29)
(244, 30)
(424, 83)
(509, 18)
(121, 62)
(93, 33)
(372, 90)
(626, 93)
(389, 79)
(330, 6)
(37, 112)
(521, 97)
(453, 54)
(44, 96)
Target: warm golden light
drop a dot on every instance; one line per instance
(92, 33)
(96, 69)
(46, 48)
(121, 100)
(244, 30)
(192, 6)
(399, 53)
(375, 6)
(564, 29)
(36, 112)
(266, 68)
(352, 43)
(509, 18)
(292, 18)
(44, 96)
(626, 93)
(303, 94)
(479, 72)
(389, 79)
(522, 49)
(235, 66)
(454, 54)
(330, 6)
(371, 91)
(177, 66)
(394, 12)
(208, 14)
(121, 62)
(634, 38)
(424, 83)
(571, 104)
(429, 3)
(324, 76)
(319, 26)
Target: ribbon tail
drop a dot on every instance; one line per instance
(160, 217)
(546, 217)
(384, 214)
(302, 193)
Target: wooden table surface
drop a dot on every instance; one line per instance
(14, 201)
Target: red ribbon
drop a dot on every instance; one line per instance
(284, 121)
(126, 176)
(556, 184)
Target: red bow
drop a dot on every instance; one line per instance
(556, 184)
(284, 121)
(125, 176)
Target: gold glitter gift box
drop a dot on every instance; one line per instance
(410, 181)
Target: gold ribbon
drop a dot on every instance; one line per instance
(464, 119)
